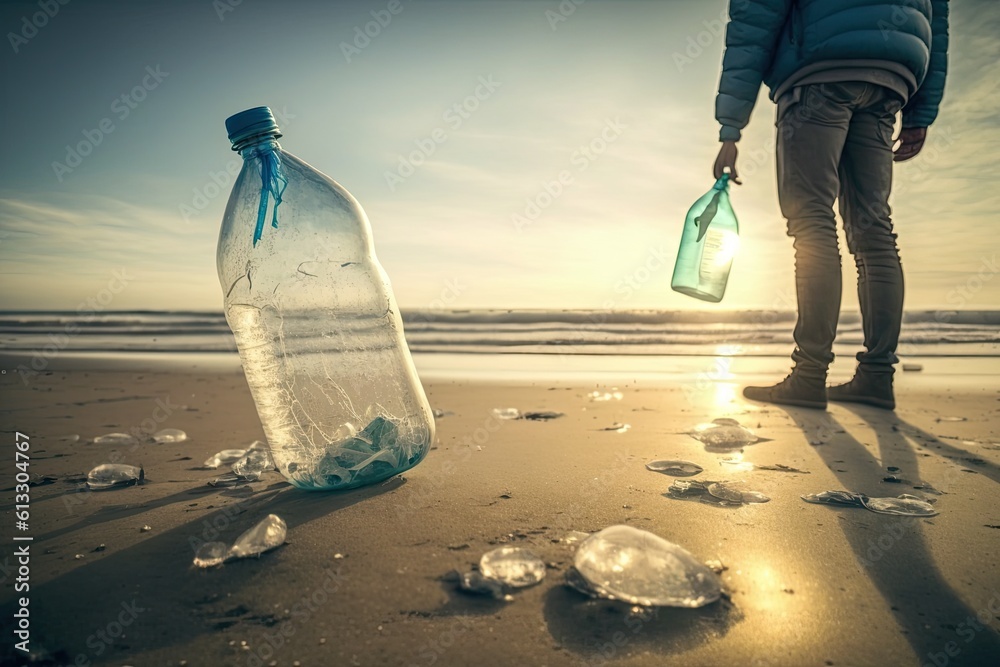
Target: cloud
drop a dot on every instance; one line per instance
(59, 249)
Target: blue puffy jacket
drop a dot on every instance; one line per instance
(771, 41)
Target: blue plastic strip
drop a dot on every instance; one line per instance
(708, 215)
(273, 184)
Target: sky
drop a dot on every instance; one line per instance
(600, 114)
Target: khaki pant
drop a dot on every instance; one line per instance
(835, 143)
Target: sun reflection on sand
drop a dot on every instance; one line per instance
(735, 463)
(722, 362)
(768, 590)
(724, 394)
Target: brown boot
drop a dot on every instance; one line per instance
(793, 390)
(868, 388)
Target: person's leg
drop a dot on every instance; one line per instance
(812, 125)
(866, 181)
(811, 137)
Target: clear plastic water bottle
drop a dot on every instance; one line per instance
(318, 330)
(709, 242)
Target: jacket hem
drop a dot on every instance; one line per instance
(900, 79)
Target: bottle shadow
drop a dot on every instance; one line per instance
(461, 604)
(134, 504)
(601, 630)
(891, 550)
(172, 603)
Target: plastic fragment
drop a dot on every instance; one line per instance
(254, 463)
(226, 456)
(541, 416)
(211, 554)
(475, 583)
(117, 439)
(599, 396)
(675, 468)
(268, 534)
(515, 567)
(724, 433)
(617, 427)
(903, 505)
(169, 435)
(724, 494)
(114, 475)
(636, 566)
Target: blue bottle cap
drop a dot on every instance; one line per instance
(258, 120)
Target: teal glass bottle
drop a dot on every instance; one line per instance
(709, 243)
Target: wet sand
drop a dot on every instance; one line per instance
(363, 579)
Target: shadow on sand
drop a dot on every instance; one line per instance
(603, 630)
(892, 551)
(154, 578)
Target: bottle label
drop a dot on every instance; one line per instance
(713, 271)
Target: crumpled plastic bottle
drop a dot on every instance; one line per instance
(315, 321)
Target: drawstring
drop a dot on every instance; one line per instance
(273, 183)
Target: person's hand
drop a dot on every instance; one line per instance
(727, 158)
(911, 140)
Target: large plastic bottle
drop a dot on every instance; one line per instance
(317, 327)
(709, 242)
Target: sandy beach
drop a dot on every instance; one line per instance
(364, 576)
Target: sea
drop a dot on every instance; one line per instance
(965, 333)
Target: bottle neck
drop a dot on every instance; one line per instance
(254, 145)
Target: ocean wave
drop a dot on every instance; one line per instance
(937, 333)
